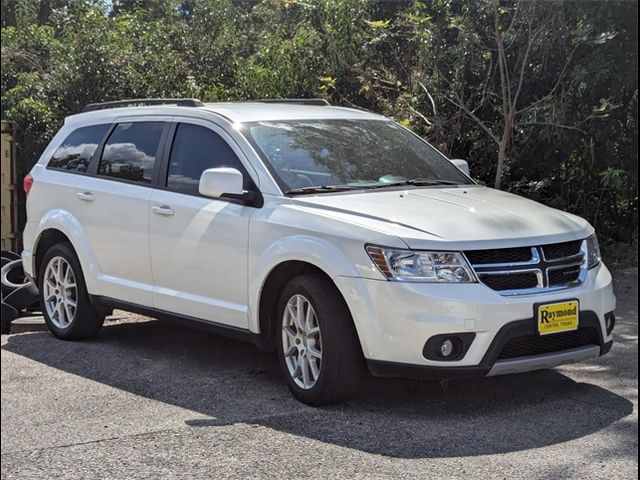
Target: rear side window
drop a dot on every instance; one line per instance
(195, 149)
(77, 149)
(130, 151)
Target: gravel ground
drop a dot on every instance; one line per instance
(150, 400)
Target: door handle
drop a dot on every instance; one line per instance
(86, 196)
(164, 210)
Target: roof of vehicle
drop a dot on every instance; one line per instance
(240, 112)
(234, 112)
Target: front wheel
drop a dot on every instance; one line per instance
(317, 345)
(67, 310)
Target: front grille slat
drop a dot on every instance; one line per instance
(510, 281)
(504, 255)
(564, 276)
(540, 344)
(526, 270)
(561, 250)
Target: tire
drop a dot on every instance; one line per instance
(12, 276)
(9, 255)
(7, 316)
(68, 323)
(22, 297)
(341, 366)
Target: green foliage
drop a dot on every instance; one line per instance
(572, 144)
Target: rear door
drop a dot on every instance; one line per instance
(113, 207)
(199, 244)
(67, 167)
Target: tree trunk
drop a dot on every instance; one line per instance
(502, 154)
(8, 15)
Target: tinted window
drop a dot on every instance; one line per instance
(131, 150)
(77, 149)
(194, 150)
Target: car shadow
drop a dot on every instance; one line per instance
(232, 382)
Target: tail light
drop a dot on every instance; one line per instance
(27, 183)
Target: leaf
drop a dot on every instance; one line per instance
(603, 38)
(613, 178)
(378, 23)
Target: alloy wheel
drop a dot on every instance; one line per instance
(60, 292)
(301, 342)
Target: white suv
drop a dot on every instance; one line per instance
(333, 236)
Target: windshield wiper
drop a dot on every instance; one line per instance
(418, 182)
(341, 188)
(319, 189)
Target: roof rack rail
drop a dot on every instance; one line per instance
(180, 102)
(318, 102)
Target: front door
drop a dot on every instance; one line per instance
(199, 245)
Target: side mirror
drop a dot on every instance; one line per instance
(462, 165)
(216, 182)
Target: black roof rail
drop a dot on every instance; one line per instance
(180, 102)
(318, 102)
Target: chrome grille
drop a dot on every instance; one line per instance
(527, 270)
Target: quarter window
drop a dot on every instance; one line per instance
(194, 150)
(77, 149)
(130, 152)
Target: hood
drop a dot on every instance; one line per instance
(473, 214)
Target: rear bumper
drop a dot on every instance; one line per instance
(28, 237)
(491, 365)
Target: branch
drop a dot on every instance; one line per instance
(557, 84)
(485, 88)
(513, 19)
(433, 103)
(557, 125)
(505, 83)
(523, 65)
(422, 116)
(474, 117)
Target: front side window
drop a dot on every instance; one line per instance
(76, 150)
(130, 151)
(194, 150)
(355, 154)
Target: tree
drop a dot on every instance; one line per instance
(507, 67)
(540, 96)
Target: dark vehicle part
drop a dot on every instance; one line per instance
(18, 291)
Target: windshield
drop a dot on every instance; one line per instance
(309, 155)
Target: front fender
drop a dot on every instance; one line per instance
(303, 248)
(66, 223)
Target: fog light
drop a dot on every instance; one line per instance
(609, 322)
(446, 348)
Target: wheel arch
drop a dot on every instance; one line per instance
(273, 284)
(47, 239)
(282, 260)
(269, 296)
(61, 226)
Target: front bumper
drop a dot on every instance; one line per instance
(394, 320)
(491, 365)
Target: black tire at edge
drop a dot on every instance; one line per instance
(343, 366)
(87, 321)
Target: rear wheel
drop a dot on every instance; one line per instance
(66, 306)
(317, 345)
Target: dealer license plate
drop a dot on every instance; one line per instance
(558, 317)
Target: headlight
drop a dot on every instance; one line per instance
(593, 251)
(421, 266)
